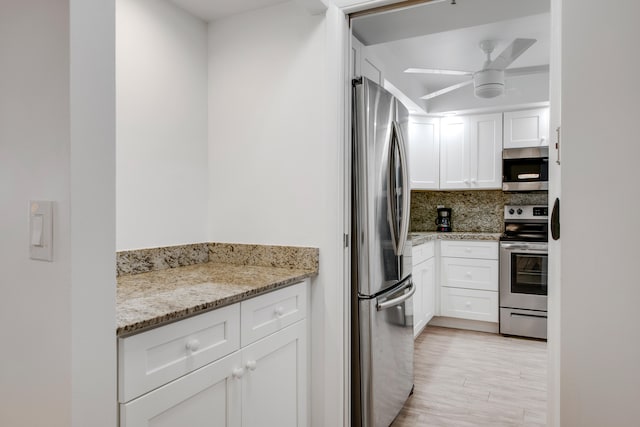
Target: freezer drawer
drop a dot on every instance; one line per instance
(523, 323)
(385, 356)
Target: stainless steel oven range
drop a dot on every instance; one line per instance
(523, 272)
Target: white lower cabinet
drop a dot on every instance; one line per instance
(263, 383)
(274, 384)
(469, 280)
(425, 281)
(209, 396)
(469, 304)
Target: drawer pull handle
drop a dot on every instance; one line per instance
(251, 365)
(279, 311)
(193, 345)
(237, 373)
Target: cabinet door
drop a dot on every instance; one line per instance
(209, 396)
(528, 128)
(424, 153)
(485, 136)
(418, 299)
(428, 272)
(274, 387)
(454, 154)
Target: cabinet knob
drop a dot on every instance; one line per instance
(192, 345)
(468, 274)
(467, 250)
(468, 304)
(237, 373)
(251, 365)
(473, 180)
(279, 311)
(466, 181)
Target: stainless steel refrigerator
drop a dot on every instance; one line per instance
(382, 289)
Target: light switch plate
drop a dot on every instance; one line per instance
(41, 230)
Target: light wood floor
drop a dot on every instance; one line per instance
(465, 378)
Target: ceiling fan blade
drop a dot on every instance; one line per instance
(446, 89)
(511, 53)
(523, 71)
(435, 71)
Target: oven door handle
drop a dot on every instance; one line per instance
(521, 247)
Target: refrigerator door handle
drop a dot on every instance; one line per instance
(406, 192)
(393, 302)
(392, 208)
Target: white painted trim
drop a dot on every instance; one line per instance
(555, 285)
(338, 53)
(469, 325)
(369, 4)
(92, 201)
(494, 109)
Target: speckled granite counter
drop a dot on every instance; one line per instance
(150, 299)
(418, 238)
(161, 285)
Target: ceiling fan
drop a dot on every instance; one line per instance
(489, 81)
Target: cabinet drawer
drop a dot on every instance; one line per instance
(469, 304)
(469, 249)
(481, 274)
(266, 314)
(423, 252)
(153, 358)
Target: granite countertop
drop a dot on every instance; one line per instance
(418, 238)
(151, 299)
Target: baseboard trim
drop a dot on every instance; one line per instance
(470, 325)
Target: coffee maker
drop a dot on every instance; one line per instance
(443, 221)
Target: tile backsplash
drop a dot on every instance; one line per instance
(472, 211)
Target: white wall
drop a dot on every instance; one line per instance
(600, 324)
(35, 308)
(161, 69)
(57, 143)
(275, 161)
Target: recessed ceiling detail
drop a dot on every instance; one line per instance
(442, 53)
(210, 10)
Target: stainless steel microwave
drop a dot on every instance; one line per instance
(525, 169)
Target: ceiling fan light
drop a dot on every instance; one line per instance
(488, 83)
(490, 90)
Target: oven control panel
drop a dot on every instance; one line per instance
(525, 212)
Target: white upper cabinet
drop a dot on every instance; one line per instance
(528, 128)
(424, 153)
(485, 134)
(471, 152)
(454, 153)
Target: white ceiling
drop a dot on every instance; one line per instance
(210, 10)
(444, 36)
